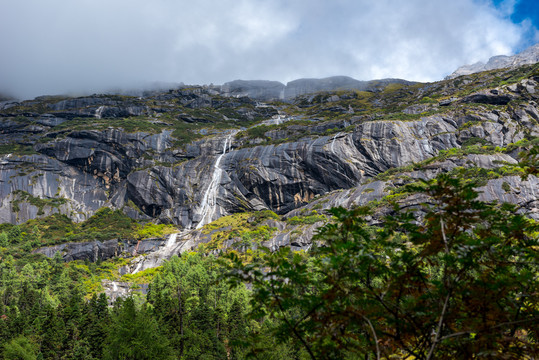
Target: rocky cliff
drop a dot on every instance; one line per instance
(193, 155)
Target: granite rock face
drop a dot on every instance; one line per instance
(79, 194)
(286, 176)
(191, 155)
(225, 173)
(94, 251)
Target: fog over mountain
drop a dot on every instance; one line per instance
(92, 46)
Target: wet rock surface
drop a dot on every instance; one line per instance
(120, 289)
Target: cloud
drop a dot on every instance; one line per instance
(61, 46)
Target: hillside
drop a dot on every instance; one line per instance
(102, 189)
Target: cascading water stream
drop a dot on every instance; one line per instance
(209, 200)
(165, 252)
(99, 111)
(332, 147)
(171, 240)
(208, 209)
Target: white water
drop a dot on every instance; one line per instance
(209, 201)
(275, 120)
(99, 111)
(138, 268)
(332, 147)
(171, 240)
(114, 286)
(156, 258)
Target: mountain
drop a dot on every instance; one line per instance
(273, 90)
(526, 57)
(388, 188)
(194, 155)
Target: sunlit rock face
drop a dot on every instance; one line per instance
(147, 177)
(192, 155)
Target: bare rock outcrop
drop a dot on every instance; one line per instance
(526, 57)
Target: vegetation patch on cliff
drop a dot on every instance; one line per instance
(243, 229)
(20, 196)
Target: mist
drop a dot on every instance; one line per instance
(76, 47)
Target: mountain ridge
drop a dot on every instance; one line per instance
(190, 157)
(273, 90)
(528, 56)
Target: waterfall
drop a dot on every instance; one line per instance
(209, 200)
(139, 267)
(99, 111)
(207, 210)
(165, 252)
(171, 240)
(332, 147)
(275, 120)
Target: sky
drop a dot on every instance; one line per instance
(86, 46)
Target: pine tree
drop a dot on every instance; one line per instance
(96, 320)
(237, 329)
(19, 348)
(54, 335)
(134, 335)
(15, 234)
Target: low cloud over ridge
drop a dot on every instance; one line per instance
(62, 46)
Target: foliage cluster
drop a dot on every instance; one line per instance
(16, 149)
(151, 230)
(456, 278)
(244, 229)
(307, 219)
(55, 229)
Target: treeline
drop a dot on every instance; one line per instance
(189, 313)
